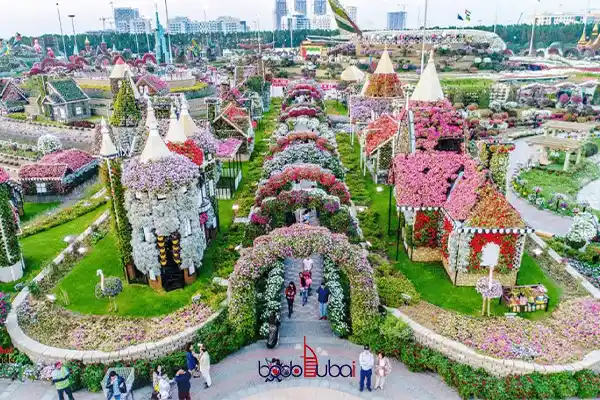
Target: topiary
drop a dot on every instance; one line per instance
(48, 144)
(590, 149)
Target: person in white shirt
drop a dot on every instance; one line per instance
(366, 361)
(205, 366)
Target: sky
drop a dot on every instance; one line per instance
(35, 17)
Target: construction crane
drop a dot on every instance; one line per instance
(104, 19)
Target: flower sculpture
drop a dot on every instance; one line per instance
(160, 175)
(307, 153)
(489, 289)
(434, 121)
(188, 149)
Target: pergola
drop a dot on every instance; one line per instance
(560, 144)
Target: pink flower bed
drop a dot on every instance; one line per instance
(32, 171)
(435, 121)
(572, 331)
(74, 158)
(228, 148)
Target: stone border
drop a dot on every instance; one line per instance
(495, 366)
(592, 290)
(41, 352)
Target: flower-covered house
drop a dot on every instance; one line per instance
(162, 199)
(65, 101)
(235, 122)
(57, 174)
(12, 98)
(152, 85)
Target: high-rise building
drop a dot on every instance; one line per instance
(139, 26)
(123, 17)
(352, 13)
(295, 22)
(300, 6)
(230, 24)
(320, 7)
(280, 12)
(396, 21)
(567, 18)
(321, 22)
(179, 25)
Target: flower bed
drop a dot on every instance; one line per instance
(591, 272)
(53, 325)
(189, 149)
(435, 121)
(336, 308)
(299, 241)
(425, 229)
(362, 108)
(228, 148)
(302, 110)
(384, 85)
(300, 137)
(307, 153)
(283, 181)
(270, 299)
(568, 335)
(162, 175)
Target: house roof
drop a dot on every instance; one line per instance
(237, 117)
(4, 177)
(9, 83)
(43, 171)
(428, 88)
(352, 74)
(67, 90)
(107, 147)
(175, 133)
(119, 69)
(73, 158)
(381, 131)
(493, 211)
(385, 66)
(187, 122)
(150, 116)
(153, 81)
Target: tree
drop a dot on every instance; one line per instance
(126, 112)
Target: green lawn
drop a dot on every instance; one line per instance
(334, 107)
(431, 279)
(32, 210)
(41, 248)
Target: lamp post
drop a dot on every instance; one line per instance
(533, 29)
(75, 48)
(61, 30)
(169, 33)
(423, 44)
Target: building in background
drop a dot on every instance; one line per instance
(300, 6)
(321, 22)
(295, 22)
(123, 17)
(140, 26)
(244, 26)
(179, 25)
(396, 21)
(230, 24)
(352, 13)
(320, 7)
(567, 18)
(280, 12)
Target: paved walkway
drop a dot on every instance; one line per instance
(538, 219)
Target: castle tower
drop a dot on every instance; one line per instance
(11, 260)
(161, 198)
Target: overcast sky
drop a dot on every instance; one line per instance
(34, 17)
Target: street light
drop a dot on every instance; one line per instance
(75, 49)
(423, 45)
(61, 30)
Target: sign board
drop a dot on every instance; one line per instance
(490, 255)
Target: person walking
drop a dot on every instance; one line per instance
(308, 280)
(60, 378)
(290, 293)
(115, 386)
(204, 363)
(182, 378)
(191, 360)
(382, 370)
(365, 360)
(323, 297)
(303, 288)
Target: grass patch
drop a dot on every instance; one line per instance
(334, 107)
(33, 210)
(41, 248)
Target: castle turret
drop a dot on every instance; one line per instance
(11, 260)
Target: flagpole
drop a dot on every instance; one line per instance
(423, 45)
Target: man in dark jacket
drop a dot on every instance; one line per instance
(115, 386)
(323, 293)
(183, 384)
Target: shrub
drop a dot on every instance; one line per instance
(93, 376)
(48, 144)
(220, 338)
(391, 289)
(17, 116)
(590, 149)
(76, 369)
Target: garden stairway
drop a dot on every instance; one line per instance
(305, 319)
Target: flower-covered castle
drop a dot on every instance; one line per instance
(450, 204)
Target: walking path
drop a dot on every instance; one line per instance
(538, 219)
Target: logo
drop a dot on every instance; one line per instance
(310, 368)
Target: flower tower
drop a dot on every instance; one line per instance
(162, 203)
(11, 260)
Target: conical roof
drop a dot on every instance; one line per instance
(155, 148)
(150, 117)
(385, 65)
(175, 133)
(428, 88)
(189, 126)
(352, 74)
(582, 40)
(107, 148)
(119, 69)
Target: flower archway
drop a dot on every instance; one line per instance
(299, 241)
(305, 153)
(321, 142)
(283, 180)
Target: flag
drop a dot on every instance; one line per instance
(468, 15)
(460, 18)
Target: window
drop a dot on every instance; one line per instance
(188, 228)
(40, 187)
(211, 187)
(78, 110)
(161, 196)
(62, 113)
(147, 234)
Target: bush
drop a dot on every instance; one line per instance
(220, 338)
(17, 116)
(93, 376)
(590, 149)
(391, 289)
(82, 124)
(76, 369)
